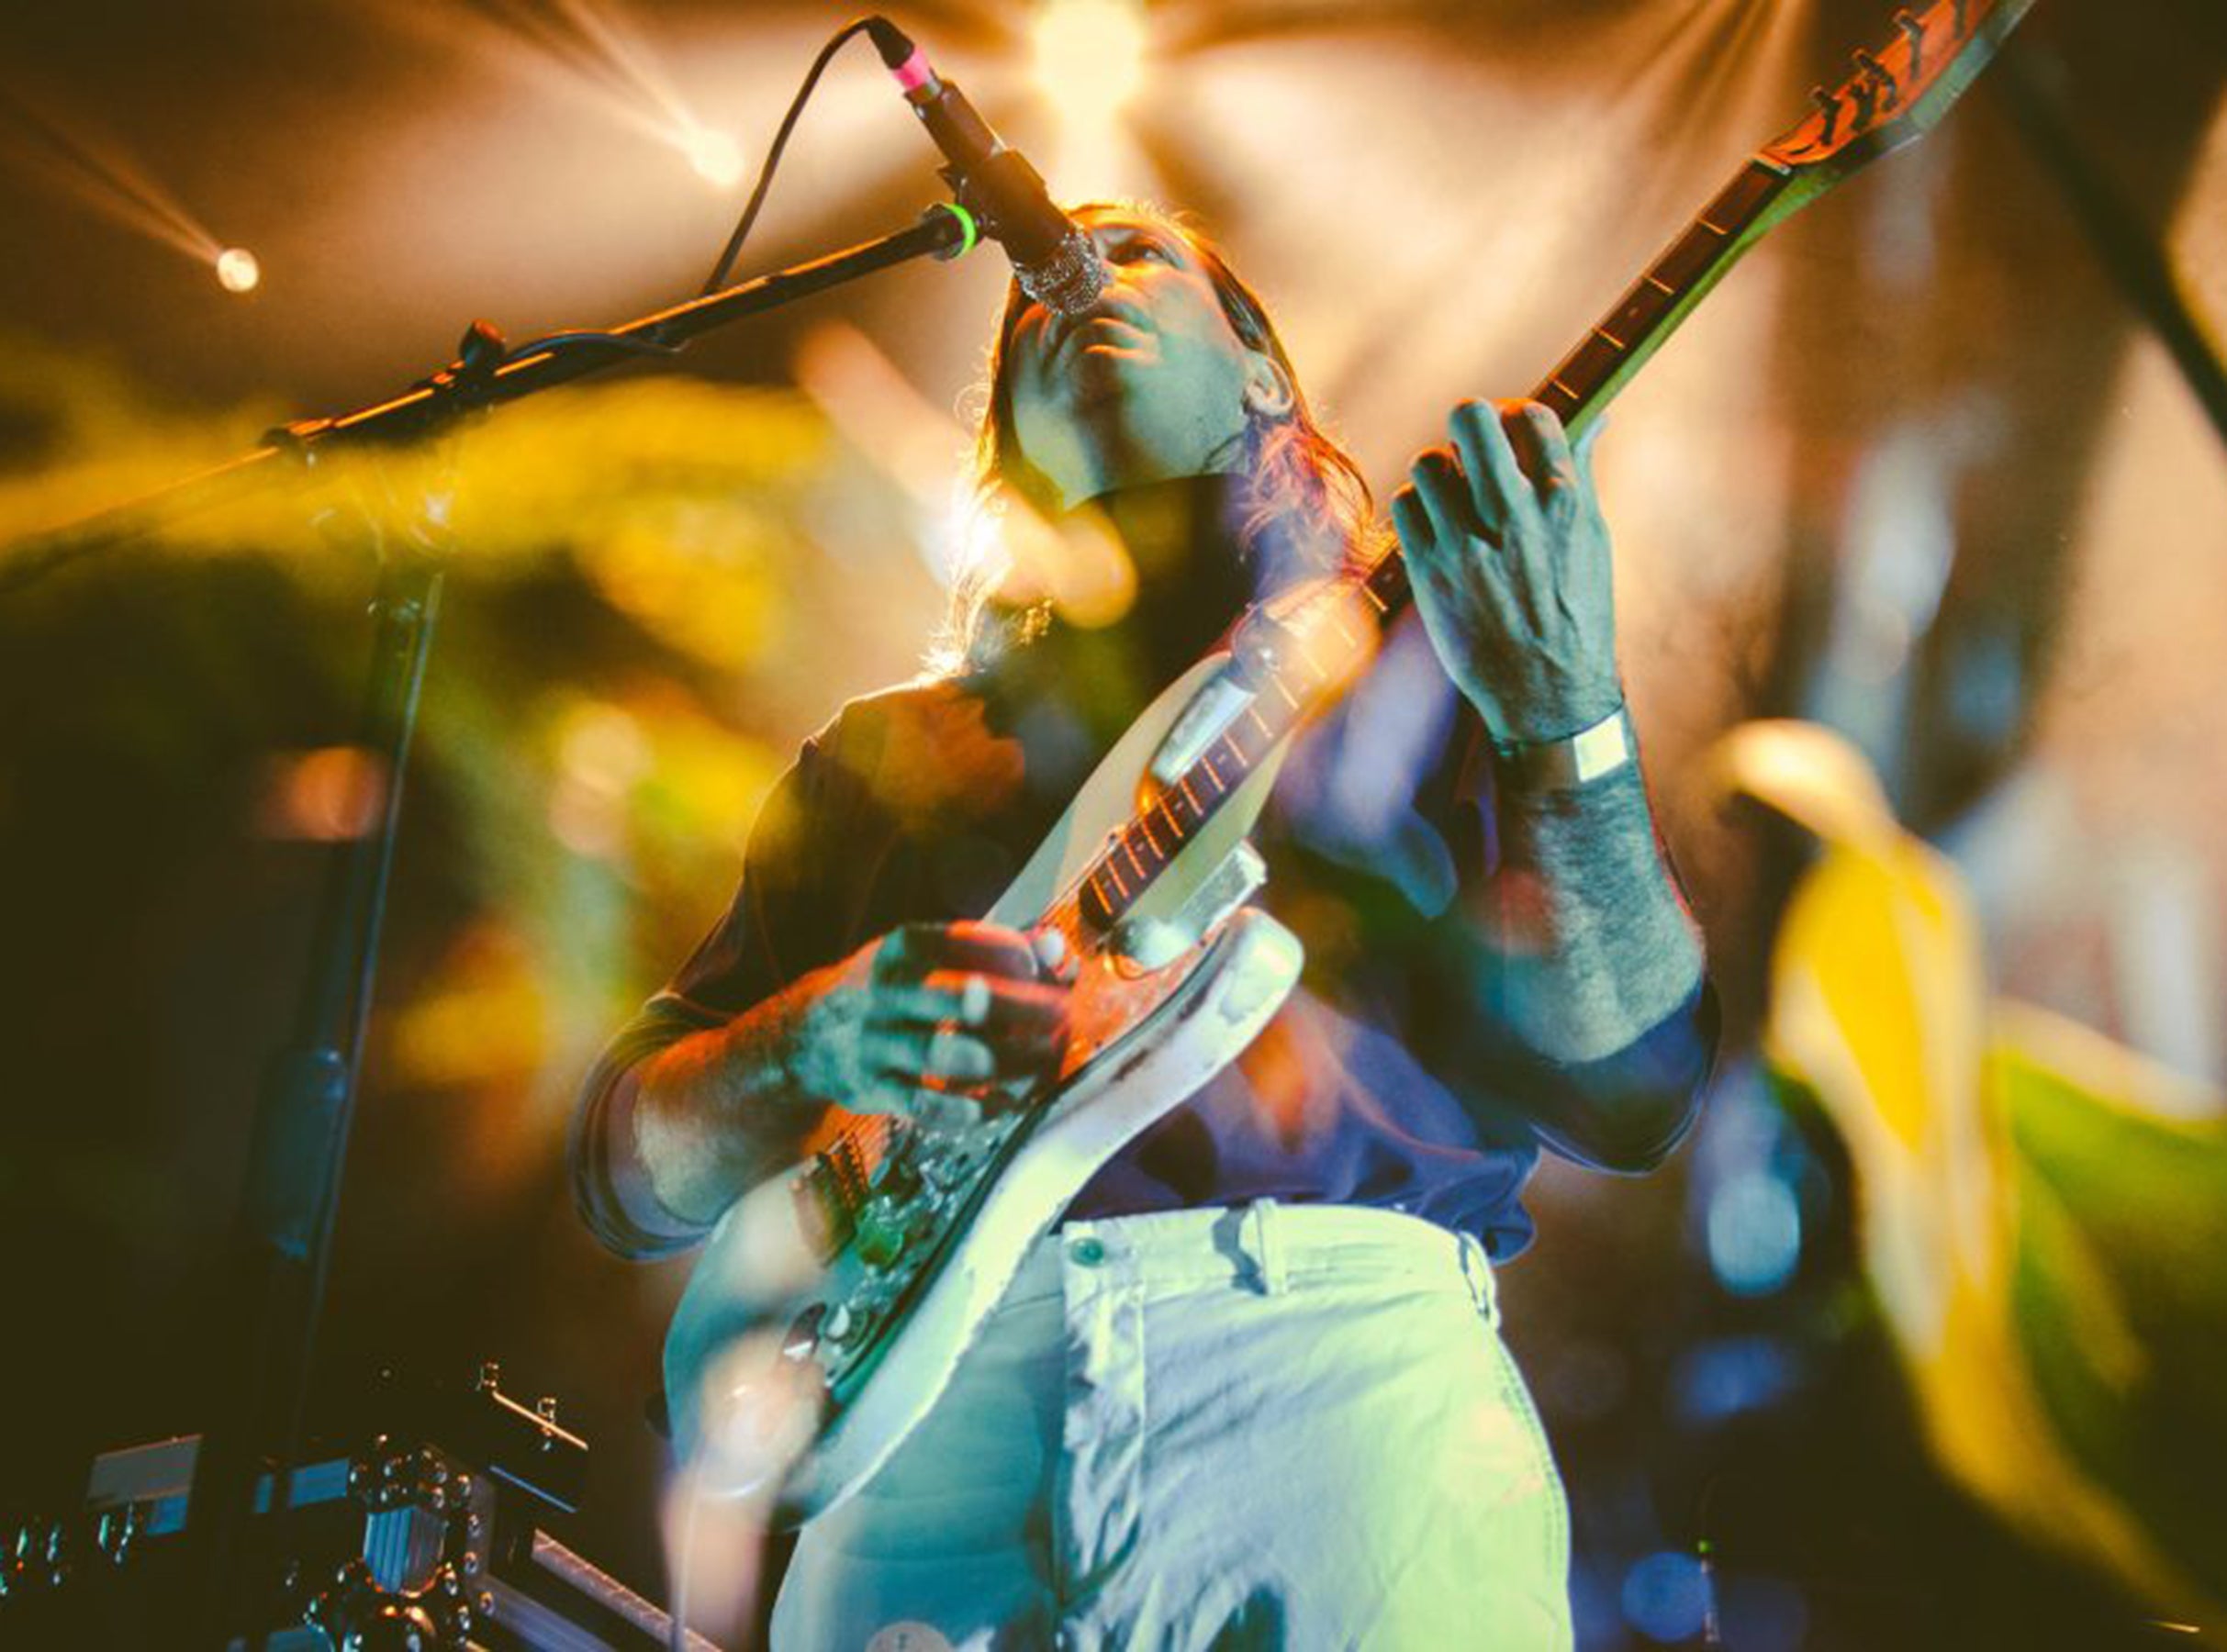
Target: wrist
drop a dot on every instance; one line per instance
(1600, 748)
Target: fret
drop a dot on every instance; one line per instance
(1175, 827)
(1097, 907)
(1144, 824)
(1594, 365)
(1207, 765)
(1179, 810)
(1136, 864)
(1182, 786)
(1610, 339)
(1234, 759)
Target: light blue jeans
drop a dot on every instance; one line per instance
(1277, 1426)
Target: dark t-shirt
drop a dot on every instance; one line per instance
(1388, 1079)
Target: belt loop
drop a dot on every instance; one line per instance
(1261, 1238)
(1477, 1269)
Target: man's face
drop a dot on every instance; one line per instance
(1150, 382)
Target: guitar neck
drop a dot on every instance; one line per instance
(1763, 193)
(1760, 194)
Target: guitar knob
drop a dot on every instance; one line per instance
(803, 1333)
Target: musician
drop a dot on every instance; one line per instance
(1252, 1387)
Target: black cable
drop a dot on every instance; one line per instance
(555, 343)
(773, 155)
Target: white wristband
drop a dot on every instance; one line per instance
(1566, 764)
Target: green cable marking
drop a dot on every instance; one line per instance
(967, 223)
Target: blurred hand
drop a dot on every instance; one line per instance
(938, 1022)
(1509, 559)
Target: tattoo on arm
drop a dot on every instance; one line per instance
(1597, 945)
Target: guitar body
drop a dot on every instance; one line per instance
(950, 1217)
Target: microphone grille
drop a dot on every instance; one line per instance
(1068, 278)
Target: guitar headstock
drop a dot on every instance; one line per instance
(1900, 91)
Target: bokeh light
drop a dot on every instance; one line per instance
(1754, 1234)
(237, 271)
(717, 158)
(1666, 1597)
(1089, 56)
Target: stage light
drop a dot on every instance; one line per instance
(717, 158)
(1090, 55)
(237, 271)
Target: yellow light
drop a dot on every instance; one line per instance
(1090, 55)
(717, 158)
(237, 271)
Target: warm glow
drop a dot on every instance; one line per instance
(237, 271)
(327, 796)
(1090, 55)
(717, 158)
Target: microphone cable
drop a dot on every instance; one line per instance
(718, 277)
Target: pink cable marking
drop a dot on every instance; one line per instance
(914, 71)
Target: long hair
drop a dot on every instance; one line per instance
(1303, 494)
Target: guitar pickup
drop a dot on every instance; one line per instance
(1149, 943)
(1199, 724)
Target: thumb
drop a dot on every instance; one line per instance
(1582, 449)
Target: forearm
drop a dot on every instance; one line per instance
(721, 1109)
(1597, 947)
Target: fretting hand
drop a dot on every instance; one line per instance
(1509, 560)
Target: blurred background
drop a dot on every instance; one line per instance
(1940, 468)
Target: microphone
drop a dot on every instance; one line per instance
(1053, 261)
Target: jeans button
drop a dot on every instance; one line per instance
(1087, 1251)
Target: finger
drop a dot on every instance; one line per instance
(1496, 479)
(1439, 483)
(912, 950)
(944, 1109)
(1582, 449)
(1007, 1009)
(911, 1053)
(1540, 444)
(964, 1000)
(1412, 523)
(1056, 960)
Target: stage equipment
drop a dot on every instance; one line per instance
(853, 1285)
(423, 1535)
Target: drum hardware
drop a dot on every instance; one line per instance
(423, 1537)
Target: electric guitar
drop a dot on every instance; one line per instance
(831, 1304)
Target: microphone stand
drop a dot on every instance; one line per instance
(305, 1106)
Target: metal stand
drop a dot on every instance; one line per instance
(942, 231)
(284, 1236)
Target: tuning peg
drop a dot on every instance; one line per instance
(1863, 93)
(1877, 77)
(1829, 106)
(1913, 31)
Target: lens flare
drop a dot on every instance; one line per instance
(237, 271)
(717, 158)
(1090, 55)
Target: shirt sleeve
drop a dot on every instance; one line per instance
(787, 919)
